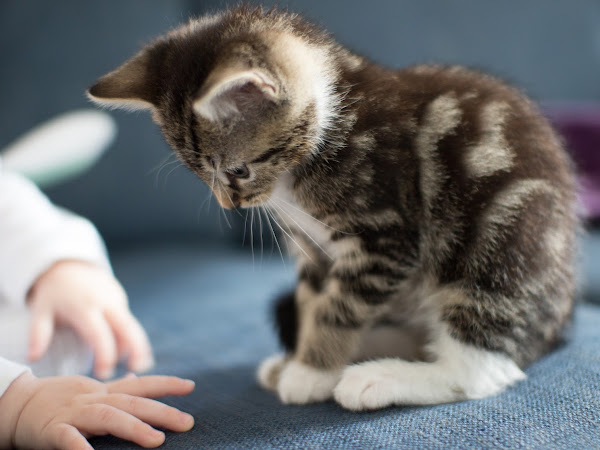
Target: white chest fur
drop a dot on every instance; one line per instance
(295, 222)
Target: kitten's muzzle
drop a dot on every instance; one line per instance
(228, 201)
(252, 200)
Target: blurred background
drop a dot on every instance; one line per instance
(198, 290)
(52, 51)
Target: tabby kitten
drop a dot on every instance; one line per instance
(432, 208)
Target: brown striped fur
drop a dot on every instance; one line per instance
(425, 199)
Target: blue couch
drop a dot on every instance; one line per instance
(204, 299)
(205, 309)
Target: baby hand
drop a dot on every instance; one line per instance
(60, 412)
(91, 301)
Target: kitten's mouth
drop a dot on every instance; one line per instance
(228, 201)
(254, 200)
(234, 201)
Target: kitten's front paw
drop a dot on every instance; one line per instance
(301, 384)
(269, 370)
(363, 387)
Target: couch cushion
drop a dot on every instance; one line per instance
(206, 312)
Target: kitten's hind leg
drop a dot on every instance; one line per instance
(459, 372)
(294, 381)
(286, 320)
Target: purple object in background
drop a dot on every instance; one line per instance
(579, 124)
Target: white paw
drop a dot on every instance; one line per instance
(363, 388)
(301, 384)
(269, 370)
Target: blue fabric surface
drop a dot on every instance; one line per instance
(590, 261)
(206, 312)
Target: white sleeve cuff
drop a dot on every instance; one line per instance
(34, 234)
(9, 372)
(74, 239)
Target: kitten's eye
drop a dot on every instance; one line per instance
(239, 172)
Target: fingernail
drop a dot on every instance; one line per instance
(190, 382)
(187, 420)
(158, 434)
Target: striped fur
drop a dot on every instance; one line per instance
(432, 209)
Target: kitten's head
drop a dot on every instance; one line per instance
(241, 97)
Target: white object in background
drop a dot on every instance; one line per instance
(61, 148)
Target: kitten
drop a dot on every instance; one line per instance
(432, 209)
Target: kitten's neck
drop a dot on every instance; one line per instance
(320, 73)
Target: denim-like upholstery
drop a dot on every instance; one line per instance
(206, 312)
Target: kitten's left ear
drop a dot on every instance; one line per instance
(129, 87)
(231, 91)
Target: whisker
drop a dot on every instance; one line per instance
(302, 229)
(212, 188)
(170, 172)
(219, 214)
(227, 193)
(178, 164)
(222, 209)
(289, 235)
(311, 216)
(285, 245)
(260, 229)
(274, 216)
(262, 211)
(207, 199)
(245, 223)
(226, 219)
(252, 236)
(164, 163)
(273, 233)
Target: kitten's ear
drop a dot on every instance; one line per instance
(129, 87)
(231, 91)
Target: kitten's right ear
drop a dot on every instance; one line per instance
(128, 87)
(236, 90)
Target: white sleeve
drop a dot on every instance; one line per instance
(34, 234)
(9, 371)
